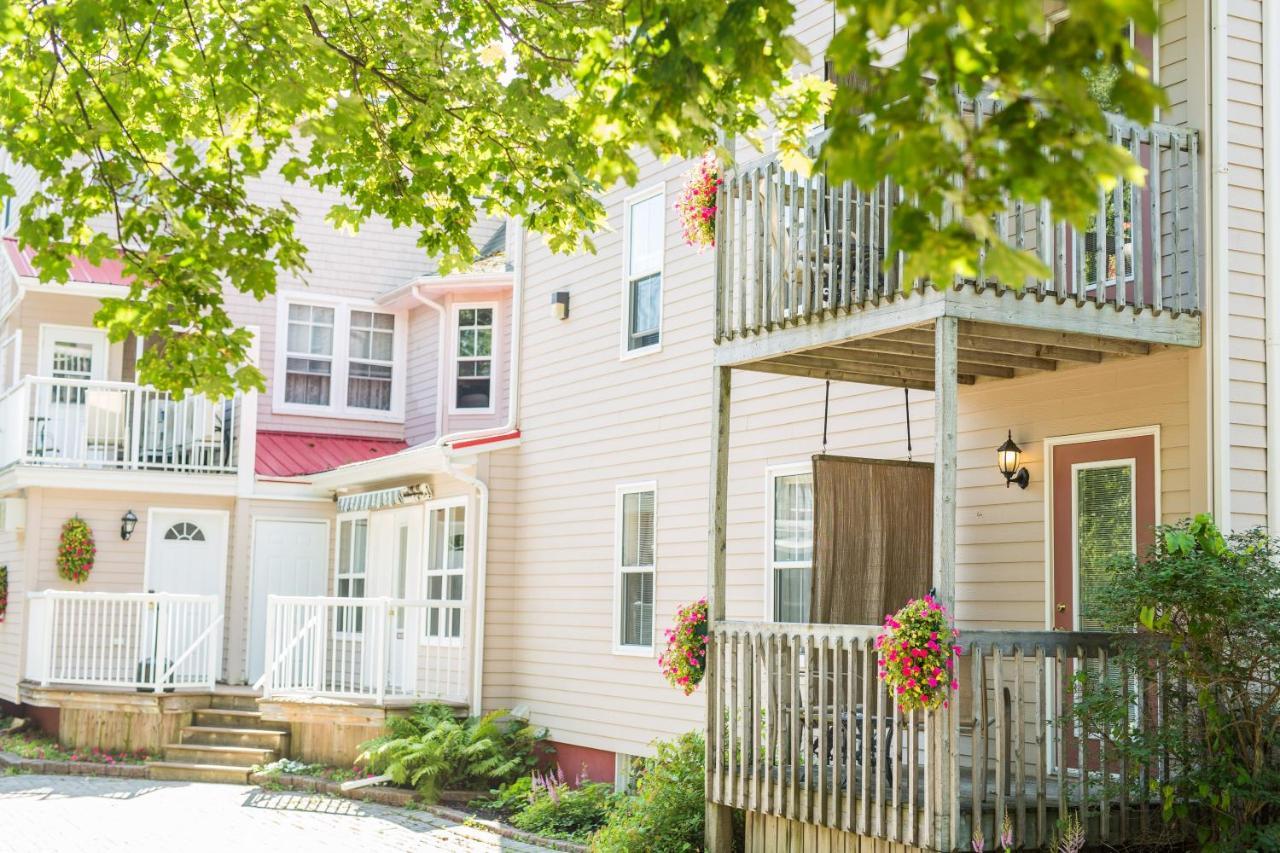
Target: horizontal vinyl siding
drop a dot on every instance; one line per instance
(1246, 391)
(11, 629)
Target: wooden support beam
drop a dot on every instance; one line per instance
(945, 447)
(891, 371)
(919, 342)
(858, 354)
(1048, 337)
(718, 833)
(785, 369)
(977, 343)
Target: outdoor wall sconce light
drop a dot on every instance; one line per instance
(1007, 461)
(560, 305)
(128, 521)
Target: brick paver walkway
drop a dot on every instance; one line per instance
(71, 814)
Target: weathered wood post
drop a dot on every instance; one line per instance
(719, 830)
(945, 417)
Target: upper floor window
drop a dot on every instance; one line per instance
(791, 544)
(637, 526)
(369, 379)
(473, 358)
(309, 362)
(340, 360)
(645, 229)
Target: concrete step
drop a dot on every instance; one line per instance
(234, 701)
(277, 740)
(176, 771)
(234, 756)
(232, 718)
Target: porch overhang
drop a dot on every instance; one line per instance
(20, 476)
(1002, 332)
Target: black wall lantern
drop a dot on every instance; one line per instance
(128, 521)
(1007, 461)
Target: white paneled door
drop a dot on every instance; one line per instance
(290, 557)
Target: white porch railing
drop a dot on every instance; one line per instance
(92, 424)
(366, 648)
(160, 641)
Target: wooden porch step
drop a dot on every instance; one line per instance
(259, 738)
(179, 771)
(233, 756)
(231, 718)
(234, 702)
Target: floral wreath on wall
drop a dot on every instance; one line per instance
(76, 550)
(4, 591)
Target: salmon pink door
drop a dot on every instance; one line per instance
(1103, 506)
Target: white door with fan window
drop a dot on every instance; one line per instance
(60, 411)
(187, 555)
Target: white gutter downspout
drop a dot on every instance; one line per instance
(1271, 250)
(1220, 356)
(482, 490)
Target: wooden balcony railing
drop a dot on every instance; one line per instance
(792, 249)
(801, 728)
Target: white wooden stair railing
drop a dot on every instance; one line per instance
(371, 649)
(157, 641)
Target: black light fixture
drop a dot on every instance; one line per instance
(128, 521)
(1007, 461)
(560, 305)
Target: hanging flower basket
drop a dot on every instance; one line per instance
(697, 203)
(76, 550)
(917, 655)
(684, 661)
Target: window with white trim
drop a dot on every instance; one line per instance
(353, 544)
(371, 360)
(636, 529)
(339, 359)
(473, 358)
(446, 564)
(645, 233)
(791, 545)
(309, 355)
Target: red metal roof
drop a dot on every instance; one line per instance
(110, 271)
(289, 454)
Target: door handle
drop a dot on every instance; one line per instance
(1062, 608)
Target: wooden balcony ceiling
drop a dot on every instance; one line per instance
(904, 358)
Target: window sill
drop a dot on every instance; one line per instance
(638, 352)
(377, 415)
(634, 651)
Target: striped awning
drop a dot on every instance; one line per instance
(383, 498)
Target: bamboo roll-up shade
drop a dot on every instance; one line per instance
(872, 537)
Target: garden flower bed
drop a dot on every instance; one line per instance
(32, 751)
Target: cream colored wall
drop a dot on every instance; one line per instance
(11, 555)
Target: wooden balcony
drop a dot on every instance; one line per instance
(808, 735)
(805, 286)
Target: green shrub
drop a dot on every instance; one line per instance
(432, 750)
(667, 811)
(1210, 607)
(555, 810)
(509, 797)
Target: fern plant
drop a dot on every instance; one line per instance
(433, 750)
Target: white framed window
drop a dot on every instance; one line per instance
(644, 229)
(474, 347)
(445, 570)
(371, 360)
(789, 542)
(350, 565)
(635, 548)
(339, 358)
(626, 771)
